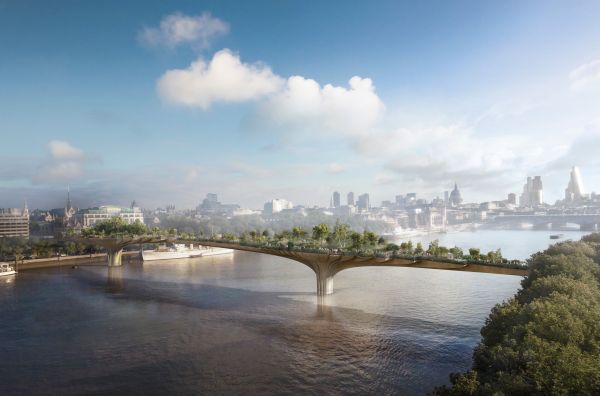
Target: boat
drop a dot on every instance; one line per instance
(556, 236)
(6, 269)
(181, 251)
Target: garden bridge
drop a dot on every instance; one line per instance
(324, 264)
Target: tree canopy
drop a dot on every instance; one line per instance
(546, 339)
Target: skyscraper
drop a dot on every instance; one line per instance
(363, 202)
(533, 192)
(512, 199)
(336, 199)
(574, 191)
(350, 198)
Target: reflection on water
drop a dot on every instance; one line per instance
(245, 323)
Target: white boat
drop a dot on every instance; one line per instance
(180, 251)
(6, 269)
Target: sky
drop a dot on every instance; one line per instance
(163, 102)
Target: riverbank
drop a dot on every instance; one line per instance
(50, 262)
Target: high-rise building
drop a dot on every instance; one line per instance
(455, 198)
(336, 199)
(211, 202)
(363, 202)
(512, 199)
(350, 198)
(533, 192)
(14, 222)
(574, 191)
(276, 206)
(446, 197)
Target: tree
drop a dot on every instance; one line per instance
(370, 238)
(474, 253)
(407, 247)
(357, 240)
(340, 234)
(298, 232)
(434, 248)
(419, 249)
(456, 252)
(320, 232)
(392, 247)
(546, 339)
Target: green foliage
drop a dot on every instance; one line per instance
(546, 339)
(419, 249)
(320, 232)
(116, 226)
(474, 253)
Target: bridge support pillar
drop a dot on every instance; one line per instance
(324, 283)
(114, 257)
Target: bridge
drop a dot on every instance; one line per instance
(324, 265)
(587, 222)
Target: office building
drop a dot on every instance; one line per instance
(14, 222)
(89, 217)
(363, 202)
(533, 192)
(336, 199)
(350, 198)
(276, 206)
(512, 199)
(574, 191)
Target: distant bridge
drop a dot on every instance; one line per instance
(587, 222)
(324, 265)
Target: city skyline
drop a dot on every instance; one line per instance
(430, 105)
(572, 193)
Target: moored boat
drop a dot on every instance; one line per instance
(6, 269)
(181, 251)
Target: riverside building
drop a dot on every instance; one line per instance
(89, 217)
(14, 222)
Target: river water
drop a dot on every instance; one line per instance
(246, 324)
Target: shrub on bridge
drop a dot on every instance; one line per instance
(116, 227)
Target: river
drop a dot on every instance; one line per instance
(247, 324)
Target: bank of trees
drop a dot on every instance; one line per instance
(546, 339)
(19, 248)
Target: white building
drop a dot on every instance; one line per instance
(277, 205)
(89, 217)
(14, 222)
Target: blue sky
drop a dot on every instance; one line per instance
(104, 96)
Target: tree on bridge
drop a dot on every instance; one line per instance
(320, 232)
(116, 227)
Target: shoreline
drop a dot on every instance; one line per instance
(53, 262)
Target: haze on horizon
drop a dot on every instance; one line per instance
(164, 102)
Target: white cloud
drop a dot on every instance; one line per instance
(225, 79)
(177, 28)
(66, 164)
(304, 103)
(62, 150)
(585, 75)
(294, 103)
